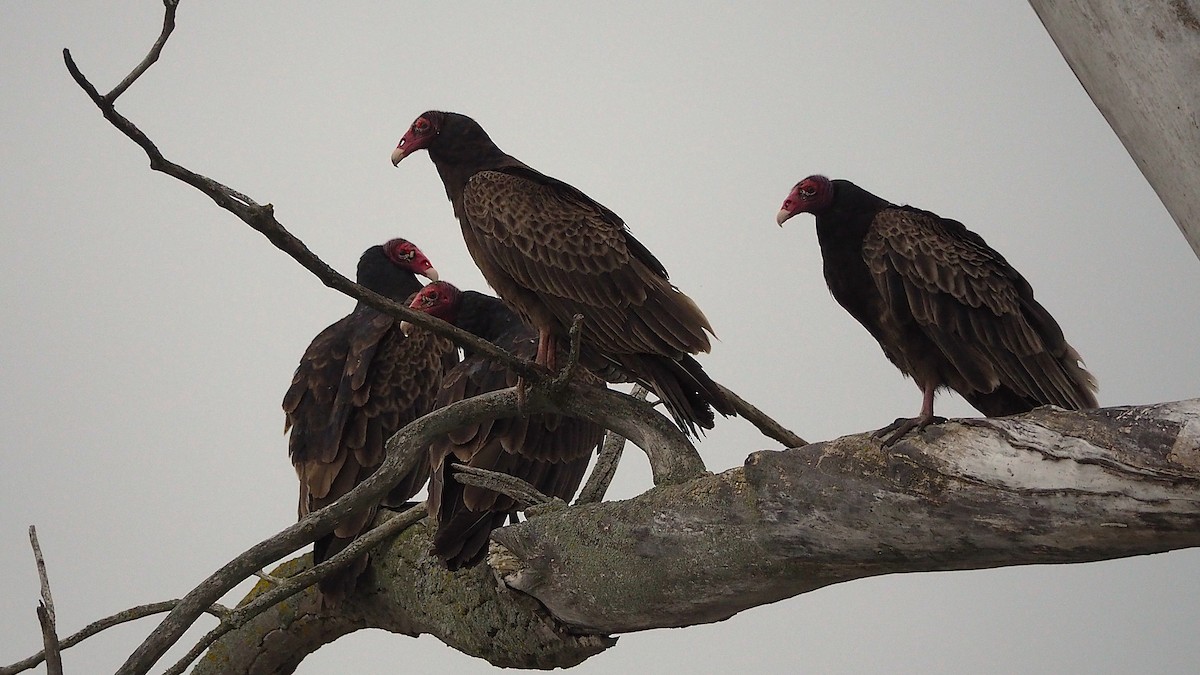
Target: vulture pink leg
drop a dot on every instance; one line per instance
(547, 349)
(897, 430)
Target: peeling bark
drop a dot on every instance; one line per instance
(1045, 487)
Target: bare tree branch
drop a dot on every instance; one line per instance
(100, 625)
(408, 592)
(282, 588)
(45, 610)
(522, 492)
(765, 424)
(1045, 487)
(152, 57)
(1138, 62)
(653, 432)
(607, 460)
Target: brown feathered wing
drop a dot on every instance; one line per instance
(551, 252)
(359, 382)
(561, 254)
(550, 452)
(1009, 354)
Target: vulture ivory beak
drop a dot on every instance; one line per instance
(398, 154)
(430, 274)
(406, 328)
(783, 215)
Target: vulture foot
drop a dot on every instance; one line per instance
(892, 433)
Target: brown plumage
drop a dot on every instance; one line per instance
(550, 452)
(948, 310)
(360, 381)
(551, 252)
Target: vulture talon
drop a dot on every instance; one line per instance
(892, 433)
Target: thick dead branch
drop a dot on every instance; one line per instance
(406, 591)
(607, 460)
(658, 435)
(1140, 61)
(1046, 487)
(275, 589)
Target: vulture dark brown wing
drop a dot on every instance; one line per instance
(561, 253)
(359, 382)
(547, 451)
(977, 309)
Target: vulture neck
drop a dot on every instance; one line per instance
(843, 225)
(379, 274)
(457, 162)
(485, 316)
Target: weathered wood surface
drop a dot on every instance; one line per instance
(1046, 487)
(1140, 63)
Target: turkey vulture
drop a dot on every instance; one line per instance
(550, 452)
(552, 252)
(948, 310)
(360, 381)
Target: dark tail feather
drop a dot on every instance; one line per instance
(335, 587)
(1000, 402)
(688, 392)
(462, 541)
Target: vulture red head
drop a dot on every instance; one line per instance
(808, 196)
(405, 254)
(451, 136)
(440, 299)
(419, 135)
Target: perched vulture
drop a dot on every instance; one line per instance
(552, 252)
(550, 452)
(360, 381)
(948, 310)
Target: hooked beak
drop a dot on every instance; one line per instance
(783, 215)
(399, 153)
(430, 274)
(406, 328)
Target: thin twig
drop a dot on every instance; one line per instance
(525, 494)
(769, 427)
(262, 218)
(168, 26)
(285, 588)
(575, 335)
(45, 610)
(267, 577)
(607, 460)
(100, 625)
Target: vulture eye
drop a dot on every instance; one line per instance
(421, 126)
(405, 254)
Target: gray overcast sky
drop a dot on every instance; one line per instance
(148, 336)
